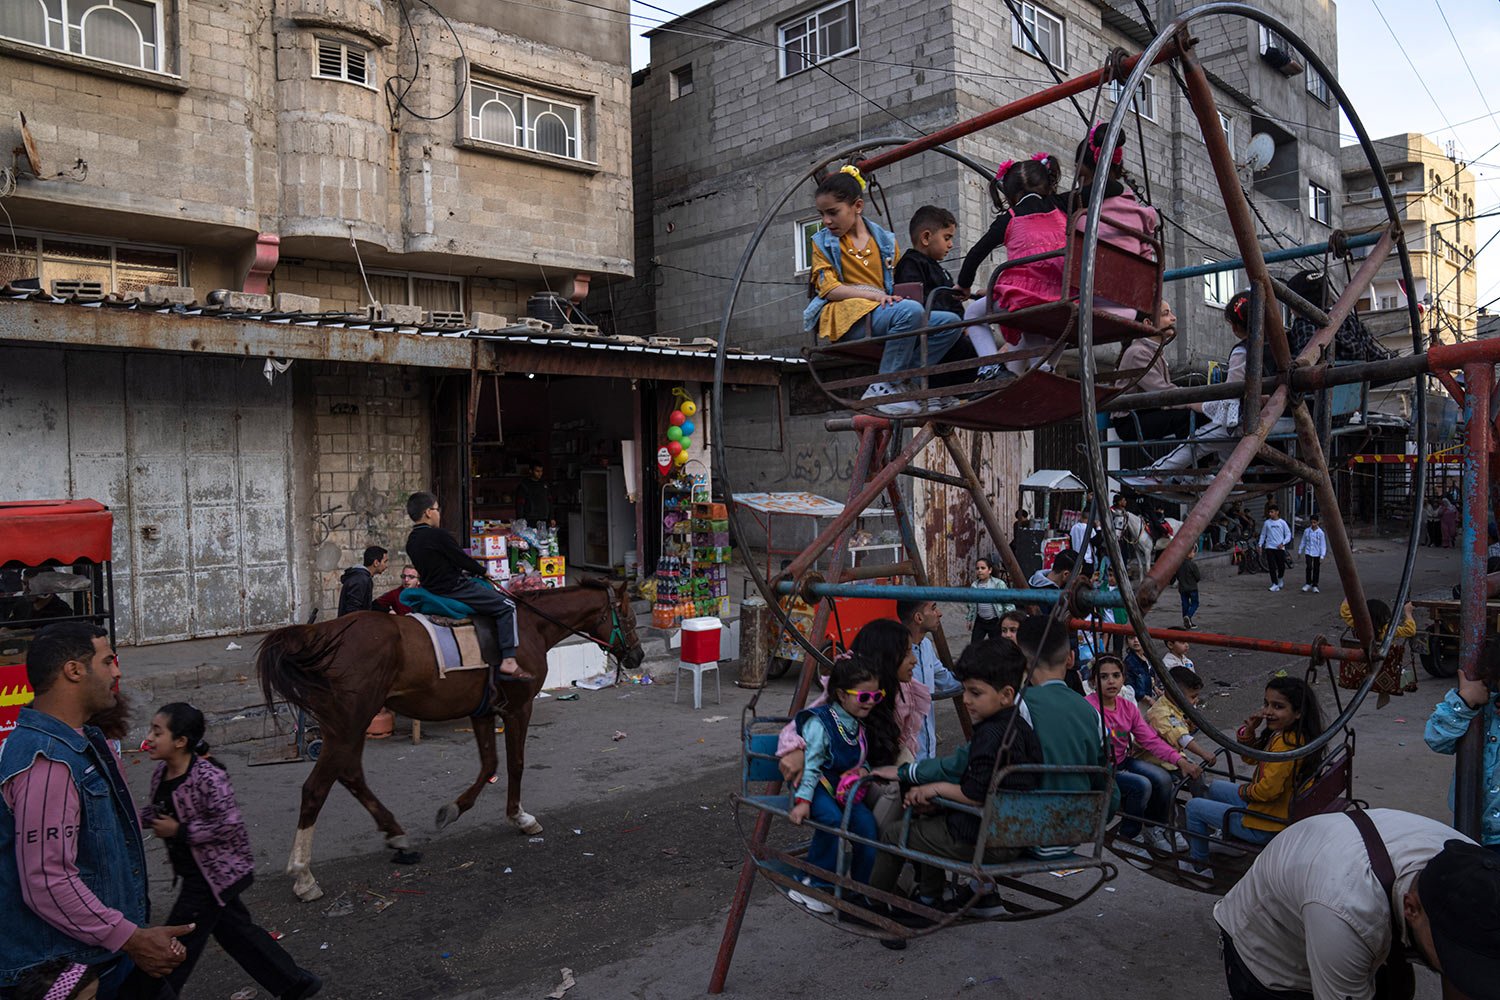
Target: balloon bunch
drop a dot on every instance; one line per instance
(678, 449)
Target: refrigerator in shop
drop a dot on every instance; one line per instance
(605, 526)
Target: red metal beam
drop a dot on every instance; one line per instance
(1450, 357)
(1040, 99)
(1277, 646)
(1468, 769)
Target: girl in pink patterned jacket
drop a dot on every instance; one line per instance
(193, 810)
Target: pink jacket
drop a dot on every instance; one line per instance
(210, 823)
(1125, 210)
(1125, 721)
(911, 709)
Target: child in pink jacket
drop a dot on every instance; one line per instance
(193, 810)
(1145, 789)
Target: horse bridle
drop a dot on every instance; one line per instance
(615, 646)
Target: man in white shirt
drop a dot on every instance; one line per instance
(1275, 535)
(921, 619)
(1081, 539)
(1312, 548)
(1310, 920)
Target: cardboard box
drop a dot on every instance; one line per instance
(553, 583)
(552, 565)
(495, 545)
(498, 569)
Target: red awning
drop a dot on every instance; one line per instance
(33, 532)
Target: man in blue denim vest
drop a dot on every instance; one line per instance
(72, 866)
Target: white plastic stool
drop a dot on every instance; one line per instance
(697, 669)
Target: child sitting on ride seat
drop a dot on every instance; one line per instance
(1292, 718)
(836, 753)
(1036, 222)
(1070, 730)
(1173, 725)
(932, 230)
(853, 269)
(1125, 219)
(992, 672)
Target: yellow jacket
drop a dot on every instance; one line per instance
(1405, 630)
(1271, 790)
(1170, 724)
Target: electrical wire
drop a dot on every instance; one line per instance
(1482, 97)
(728, 34)
(396, 100)
(1397, 39)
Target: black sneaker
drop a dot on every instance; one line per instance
(307, 986)
(987, 905)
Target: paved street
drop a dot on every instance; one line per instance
(630, 882)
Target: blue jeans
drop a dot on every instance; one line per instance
(823, 851)
(1145, 790)
(1207, 813)
(904, 317)
(1189, 603)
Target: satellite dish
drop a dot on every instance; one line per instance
(27, 150)
(1259, 153)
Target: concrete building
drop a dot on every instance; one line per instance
(357, 181)
(742, 97)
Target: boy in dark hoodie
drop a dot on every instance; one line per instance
(357, 585)
(992, 674)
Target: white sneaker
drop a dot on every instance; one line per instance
(1191, 868)
(1180, 842)
(900, 408)
(1316, 590)
(1306, 588)
(995, 373)
(813, 905)
(1157, 839)
(1274, 586)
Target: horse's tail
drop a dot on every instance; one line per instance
(293, 663)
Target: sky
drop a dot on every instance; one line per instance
(1438, 96)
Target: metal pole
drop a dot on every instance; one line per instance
(987, 512)
(1468, 769)
(1270, 256)
(857, 504)
(956, 595)
(1032, 102)
(1278, 646)
(869, 437)
(1241, 221)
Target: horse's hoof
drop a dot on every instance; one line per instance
(406, 858)
(399, 842)
(447, 814)
(308, 891)
(525, 823)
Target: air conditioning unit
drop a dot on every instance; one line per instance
(1281, 61)
(1396, 176)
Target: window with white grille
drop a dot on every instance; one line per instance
(802, 243)
(1317, 86)
(125, 32)
(118, 267)
(816, 37)
(341, 61)
(1145, 101)
(509, 116)
(1219, 287)
(1046, 28)
(1318, 203)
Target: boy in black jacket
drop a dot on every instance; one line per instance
(932, 230)
(443, 566)
(991, 672)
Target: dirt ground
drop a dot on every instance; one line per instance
(630, 882)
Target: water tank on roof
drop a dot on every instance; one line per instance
(549, 306)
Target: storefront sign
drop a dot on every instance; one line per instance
(14, 693)
(663, 460)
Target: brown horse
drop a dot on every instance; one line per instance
(341, 672)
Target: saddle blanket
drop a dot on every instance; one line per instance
(455, 647)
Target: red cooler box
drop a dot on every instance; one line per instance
(700, 640)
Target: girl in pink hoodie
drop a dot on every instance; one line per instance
(1145, 789)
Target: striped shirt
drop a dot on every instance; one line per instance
(44, 801)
